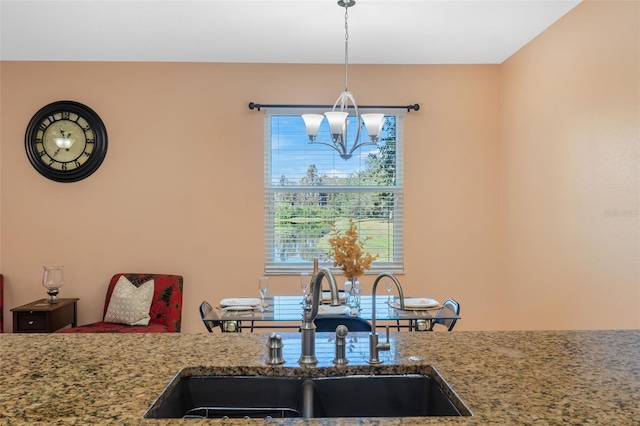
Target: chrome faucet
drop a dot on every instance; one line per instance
(374, 346)
(308, 329)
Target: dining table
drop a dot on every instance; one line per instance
(286, 311)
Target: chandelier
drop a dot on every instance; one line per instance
(338, 116)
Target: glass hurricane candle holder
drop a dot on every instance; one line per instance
(52, 280)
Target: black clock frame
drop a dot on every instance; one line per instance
(100, 141)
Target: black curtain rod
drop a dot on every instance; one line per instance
(414, 107)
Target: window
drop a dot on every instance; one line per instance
(309, 186)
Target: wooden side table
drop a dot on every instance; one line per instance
(43, 317)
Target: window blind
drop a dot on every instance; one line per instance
(309, 187)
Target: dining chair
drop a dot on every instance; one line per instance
(329, 323)
(205, 309)
(449, 323)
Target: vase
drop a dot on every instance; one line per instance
(352, 292)
(52, 280)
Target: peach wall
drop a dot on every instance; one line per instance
(181, 191)
(569, 172)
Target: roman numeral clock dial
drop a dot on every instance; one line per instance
(66, 141)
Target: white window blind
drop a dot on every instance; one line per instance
(309, 186)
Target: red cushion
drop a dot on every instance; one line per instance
(110, 327)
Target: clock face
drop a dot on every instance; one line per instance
(66, 141)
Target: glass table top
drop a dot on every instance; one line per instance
(290, 308)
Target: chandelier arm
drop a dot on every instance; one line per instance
(359, 145)
(355, 108)
(342, 142)
(341, 151)
(339, 101)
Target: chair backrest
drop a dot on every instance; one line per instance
(166, 306)
(329, 323)
(205, 309)
(449, 323)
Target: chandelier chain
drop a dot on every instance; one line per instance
(346, 48)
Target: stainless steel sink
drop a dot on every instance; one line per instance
(229, 396)
(383, 396)
(393, 395)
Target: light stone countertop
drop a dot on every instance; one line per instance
(536, 377)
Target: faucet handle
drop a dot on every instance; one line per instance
(387, 328)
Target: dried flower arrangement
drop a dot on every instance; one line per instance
(347, 251)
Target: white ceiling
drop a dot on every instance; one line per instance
(273, 31)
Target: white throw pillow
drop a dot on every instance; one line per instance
(130, 304)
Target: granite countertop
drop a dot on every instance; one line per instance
(534, 377)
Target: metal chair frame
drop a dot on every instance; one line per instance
(449, 323)
(205, 309)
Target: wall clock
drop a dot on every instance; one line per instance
(66, 141)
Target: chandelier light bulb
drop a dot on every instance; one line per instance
(373, 123)
(337, 123)
(312, 123)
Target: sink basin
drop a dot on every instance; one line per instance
(229, 396)
(393, 395)
(381, 396)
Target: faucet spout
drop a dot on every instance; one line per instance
(308, 328)
(374, 346)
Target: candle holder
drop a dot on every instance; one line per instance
(52, 280)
